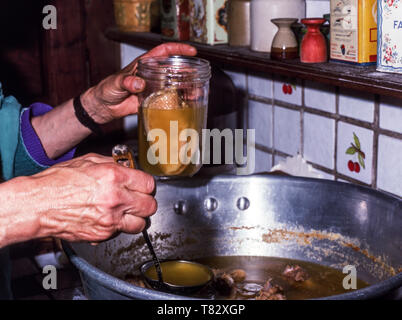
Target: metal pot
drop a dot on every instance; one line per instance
(330, 223)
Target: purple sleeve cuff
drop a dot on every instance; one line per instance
(31, 140)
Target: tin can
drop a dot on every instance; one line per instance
(354, 31)
(175, 20)
(208, 21)
(389, 36)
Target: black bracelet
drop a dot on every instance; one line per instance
(84, 118)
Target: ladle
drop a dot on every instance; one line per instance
(122, 155)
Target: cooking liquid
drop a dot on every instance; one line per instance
(181, 273)
(187, 118)
(323, 281)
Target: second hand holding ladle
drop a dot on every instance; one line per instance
(122, 155)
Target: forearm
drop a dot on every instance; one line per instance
(18, 219)
(59, 130)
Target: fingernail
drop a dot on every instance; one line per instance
(138, 84)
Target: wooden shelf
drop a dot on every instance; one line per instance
(364, 78)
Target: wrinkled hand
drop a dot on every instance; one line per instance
(91, 198)
(115, 96)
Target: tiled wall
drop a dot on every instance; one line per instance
(320, 123)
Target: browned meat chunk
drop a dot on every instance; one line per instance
(295, 273)
(224, 285)
(271, 292)
(238, 275)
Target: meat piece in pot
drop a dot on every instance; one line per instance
(271, 292)
(238, 275)
(295, 273)
(225, 285)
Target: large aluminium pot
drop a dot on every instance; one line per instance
(331, 223)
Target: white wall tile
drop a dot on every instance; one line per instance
(345, 138)
(263, 161)
(317, 8)
(287, 130)
(356, 104)
(129, 53)
(320, 96)
(260, 119)
(319, 140)
(389, 169)
(295, 97)
(260, 85)
(391, 114)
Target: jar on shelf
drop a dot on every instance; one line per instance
(173, 112)
(133, 15)
(239, 22)
(262, 11)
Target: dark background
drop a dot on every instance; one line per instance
(54, 65)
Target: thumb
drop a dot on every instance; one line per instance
(133, 84)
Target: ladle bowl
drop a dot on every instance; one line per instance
(166, 286)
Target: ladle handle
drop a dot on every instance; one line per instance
(123, 155)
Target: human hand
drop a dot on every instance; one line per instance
(91, 199)
(116, 96)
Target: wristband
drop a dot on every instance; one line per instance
(84, 118)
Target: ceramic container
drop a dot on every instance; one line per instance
(390, 36)
(262, 11)
(313, 48)
(284, 45)
(239, 22)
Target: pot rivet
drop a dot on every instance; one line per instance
(211, 204)
(180, 207)
(243, 203)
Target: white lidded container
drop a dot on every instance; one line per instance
(262, 11)
(389, 45)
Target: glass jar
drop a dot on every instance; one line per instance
(173, 112)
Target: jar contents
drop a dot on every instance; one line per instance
(165, 110)
(172, 114)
